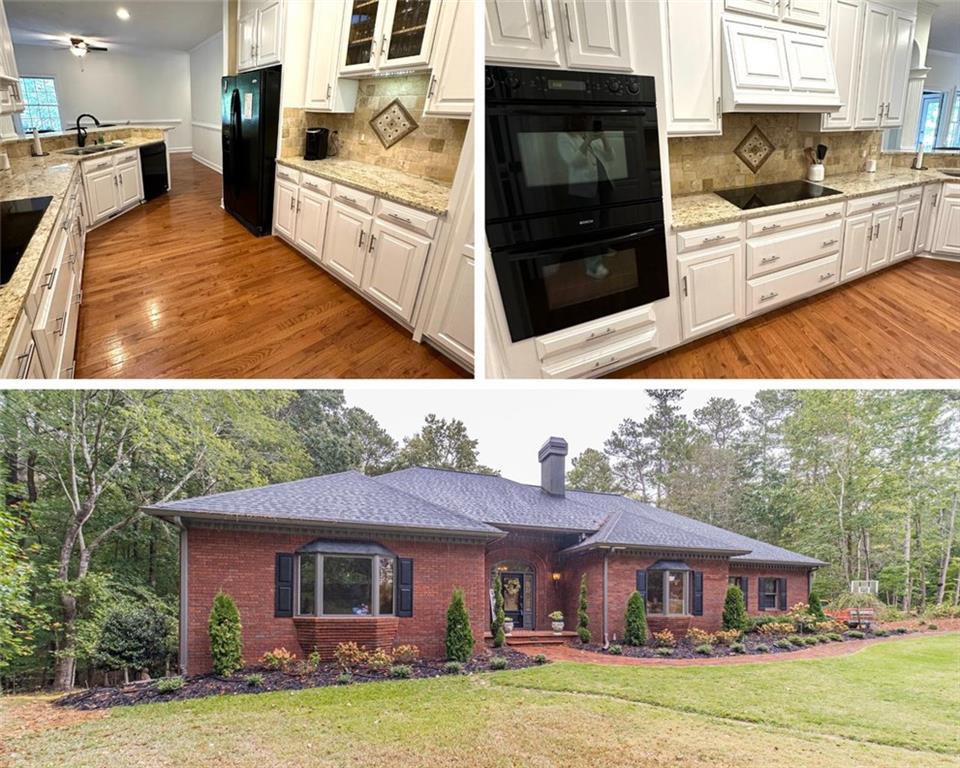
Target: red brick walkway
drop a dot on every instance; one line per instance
(571, 653)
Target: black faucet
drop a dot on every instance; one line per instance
(82, 132)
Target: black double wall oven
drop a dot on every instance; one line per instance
(574, 208)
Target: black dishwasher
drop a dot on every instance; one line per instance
(153, 168)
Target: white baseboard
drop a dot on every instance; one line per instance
(204, 161)
(938, 256)
(179, 150)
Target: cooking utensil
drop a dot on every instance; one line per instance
(821, 152)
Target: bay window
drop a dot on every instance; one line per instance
(341, 583)
(668, 592)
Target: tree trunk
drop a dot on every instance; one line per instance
(907, 584)
(921, 564)
(66, 666)
(945, 565)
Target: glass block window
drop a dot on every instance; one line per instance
(42, 110)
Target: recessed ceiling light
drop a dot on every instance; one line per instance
(123, 13)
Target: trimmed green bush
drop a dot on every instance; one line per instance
(835, 637)
(900, 630)
(856, 634)
(499, 637)
(879, 632)
(932, 627)
(795, 640)
(134, 637)
(816, 607)
(344, 678)
(453, 668)
(636, 628)
(459, 638)
(401, 671)
(786, 644)
(705, 649)
(664, 651)
(226, 635)
(540, 658)
(499, 662)
(810, 640)
(762, 648)
(616, 650)
(583, 620)
(738, 648)
(254, 680)
(169, 684)
(734, 609)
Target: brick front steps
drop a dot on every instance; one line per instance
(527, 637)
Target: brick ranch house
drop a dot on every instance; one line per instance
(315, 562)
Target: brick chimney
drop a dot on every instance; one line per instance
(553, 466)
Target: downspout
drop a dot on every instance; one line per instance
(184, 560)
(606, 556)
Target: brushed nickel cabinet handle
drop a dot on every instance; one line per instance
(828, 243)
(600, 364)
(566, 10)
(769, 259)
(61, 325)
(373, 240)
(831, 214)
(291, 203)
(23, 362)
(398, 217)
(900, 225)
(362, 235)
(827, 276)
(768, 296)
(685, 291)
(543, 20)
(433, 83)
(298, 206)
(765, 227)
(878, 203)
(605, 332)
(329, 90)
(877, 230)
(869, 234)
(714, 239)
(384, 45)
(52, 276)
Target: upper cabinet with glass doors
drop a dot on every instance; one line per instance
(382, 35)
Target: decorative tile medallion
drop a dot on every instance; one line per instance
(393, 123)
(755, 149)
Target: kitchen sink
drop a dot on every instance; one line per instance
(87, 150)
(955, 172)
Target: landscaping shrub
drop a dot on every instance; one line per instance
(763, 648)
(616, 650)
(133, 637)
(499, 662)
(697, 636)
(459, 638)
(555, 616)
(816, 607)
(664, 639)
(496, 629)
(775, 629)
(254, 680)
(349, 656)
(801, 617)
(453, 668)
(540, 658)
(794, 640)
(169, 684)
(856, 633)
(738, 648)
(636, 628)
(314, 660)
(734, 609)
(943, 611)
(825, 627)
(810, 640)
(705, 648)
(344, 678)
(726, 636)
(932, 627)
(379, 659)
(401, 671)
(880, 632)
(821, 638)
(406, 654)
(278, 659)
(664, 651)
(783, 644)
(835, 636)
(900, 630)
(583, 620)
(226, 635)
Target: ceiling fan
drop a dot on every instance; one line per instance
(79, 47)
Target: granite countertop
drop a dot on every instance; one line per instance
(39, 177)
(93, 129)
(423, 194)
(703, 210)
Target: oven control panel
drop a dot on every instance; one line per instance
(519, 84)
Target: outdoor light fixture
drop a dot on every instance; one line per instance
(555, 576)
(123, 13)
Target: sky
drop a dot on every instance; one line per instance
(512, 424)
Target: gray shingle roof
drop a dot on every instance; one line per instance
(347, 498)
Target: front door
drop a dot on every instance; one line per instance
(513, 597)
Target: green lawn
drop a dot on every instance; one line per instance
(893, 704)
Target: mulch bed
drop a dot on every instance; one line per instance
(685, 650)
(199, 686)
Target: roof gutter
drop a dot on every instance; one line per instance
(577, 548)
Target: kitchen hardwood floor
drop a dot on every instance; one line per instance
(902, 322)
(177, 288)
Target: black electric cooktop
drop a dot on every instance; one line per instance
(775, 194)
(18, 222)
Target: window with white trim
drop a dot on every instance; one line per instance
(41, 110)
(345, 585)
(769, 594)
(668, 593)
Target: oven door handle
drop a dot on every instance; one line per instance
(593, 110)
(607, 241)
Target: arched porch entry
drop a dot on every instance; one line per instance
(519, 580)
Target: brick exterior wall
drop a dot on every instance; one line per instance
(797, 585)
(241, 563)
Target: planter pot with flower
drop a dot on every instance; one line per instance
(507, 626)
(556, 622)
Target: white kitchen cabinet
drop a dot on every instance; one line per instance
(247, 40)
(758, 56)
(946, 239)
(857, 236)
(877, 23)
(767, 9)
(383, 35)
(103, 193)
(711, 289)
(285, 215)
(788, 285)
(259, 34)
(690, 43)
(846, 20)
(597, 34)
(522, 32)
(50, 324)
(346, 241)
(113, 184)
(899, 51)
(881, 247)
(908, 217)
(269, 30)
(810, 13)
(927, 218)
(128, 176)
(869, 231)
(394, 268)
(810, 63)
(311, 222)
(326, 91)
(450, 93)
(11, 99)
(21, 352)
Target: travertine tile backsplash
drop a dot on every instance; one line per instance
(431, 151)
(705, 163)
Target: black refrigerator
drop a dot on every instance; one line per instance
(250, 115)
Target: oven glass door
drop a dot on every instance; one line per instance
(556, 159)
(548, 289)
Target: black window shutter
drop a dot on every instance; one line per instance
(744, 587)
(283, 581)
(404, 586)
(642, 584)
(760, 594)
(698, 593)
(782, 594)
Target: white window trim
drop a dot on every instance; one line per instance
(764, 593)
(17, 123)
(318, 587)
(664, 575)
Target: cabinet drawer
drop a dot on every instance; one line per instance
(599, 361)
(773, 252)
(315, 184)
(132, 156)
(418, 221)
(951, 190)
(871, 203)
(589, 336)
(708, 236)
(92, 166)
(766, 225)
(912, 194)
(20, 352)
(46, 272)
(789, 284)
(288, 174)
(354, 197)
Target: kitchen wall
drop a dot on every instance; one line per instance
(206, 65)
(431, 151)
(145, 86)
(705, 163)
